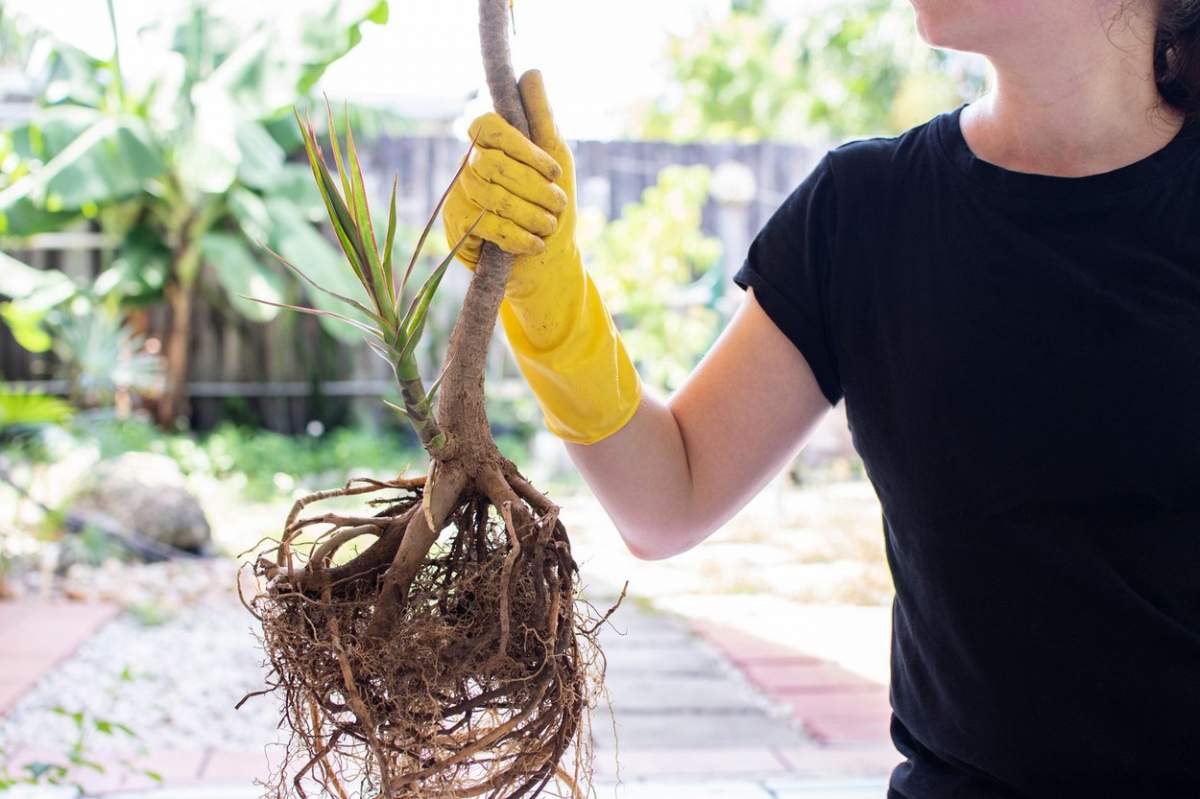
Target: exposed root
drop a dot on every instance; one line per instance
(480, 678)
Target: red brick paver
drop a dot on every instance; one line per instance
(35, 635)
(836, 707)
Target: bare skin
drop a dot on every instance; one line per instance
(1074, 95)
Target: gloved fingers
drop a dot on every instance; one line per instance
(509, 236)
(492, 131)
(537, 110)
(500, 201)
(524, 181)
(458, 213)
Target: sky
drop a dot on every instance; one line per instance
(598, 57)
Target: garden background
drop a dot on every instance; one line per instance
(154, 423)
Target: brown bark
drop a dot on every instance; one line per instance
(461, 398)
(173, 401)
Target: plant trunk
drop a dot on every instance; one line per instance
(173, 401)
(461, 408)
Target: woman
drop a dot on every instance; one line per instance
(1008, 299)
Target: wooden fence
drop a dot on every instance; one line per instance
(288, 372)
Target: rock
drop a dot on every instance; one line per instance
(145, 494)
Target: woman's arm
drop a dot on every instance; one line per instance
(679, 470)
(668, 474)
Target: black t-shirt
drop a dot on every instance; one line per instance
(1020, 359)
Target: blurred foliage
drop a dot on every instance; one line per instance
(179, 155)
(88, 753)
(266, 463)
(103, 357)
(838, 70)
(660, 274)
(24, 416)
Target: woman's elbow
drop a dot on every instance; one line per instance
(659, 543)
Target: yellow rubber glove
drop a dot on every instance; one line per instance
(560, 332)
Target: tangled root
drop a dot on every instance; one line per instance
(477, 679)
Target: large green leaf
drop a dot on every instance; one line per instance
(139, 271)
(261, 159)
(111, 159)
(209, 155)
(36, 288)
(25, 324)
(250, 212)
(294, 183)
(29, 408)
(272, 67)
(51, 131)
(33, 293)
(241, 274)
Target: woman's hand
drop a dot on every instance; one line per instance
(524, 188)
(561, 335)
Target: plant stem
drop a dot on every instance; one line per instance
(461, 410)
(120, 83)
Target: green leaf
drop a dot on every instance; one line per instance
(298, 241)
(208, 157)
(261, 159)
(111, 159)
(339, 216)
(429, 226)
(250, 212)
(26, 408)
(389, 240)
(378, 286)
(353, 303)
(39, 288)
(295, 183)
(26, 327)
(241, 274)
(325, 315)
(138, 272)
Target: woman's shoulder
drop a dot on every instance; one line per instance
(871, 162)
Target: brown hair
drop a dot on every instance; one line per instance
(1177, 55)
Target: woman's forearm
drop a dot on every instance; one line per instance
(642, 477)
(677, 471)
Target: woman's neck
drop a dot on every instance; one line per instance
(1085, 107)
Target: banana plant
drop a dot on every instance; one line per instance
(180, 159)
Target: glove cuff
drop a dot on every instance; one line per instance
(572, 356)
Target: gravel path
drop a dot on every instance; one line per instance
(174, 684)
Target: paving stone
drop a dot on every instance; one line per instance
(665, 660)
(35, 635)
(785, 677)
(847, 728)
(704, 693)
(744, 648)
(828, 789)
(236, 766)
(835, 702)
(874, 760)
(693, 730)
(673, 789)
(706, 762)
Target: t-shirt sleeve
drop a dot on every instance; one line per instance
(790, 265)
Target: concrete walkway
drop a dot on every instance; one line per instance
(695, 710)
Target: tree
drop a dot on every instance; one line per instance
(842, 69)
(182, 161)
